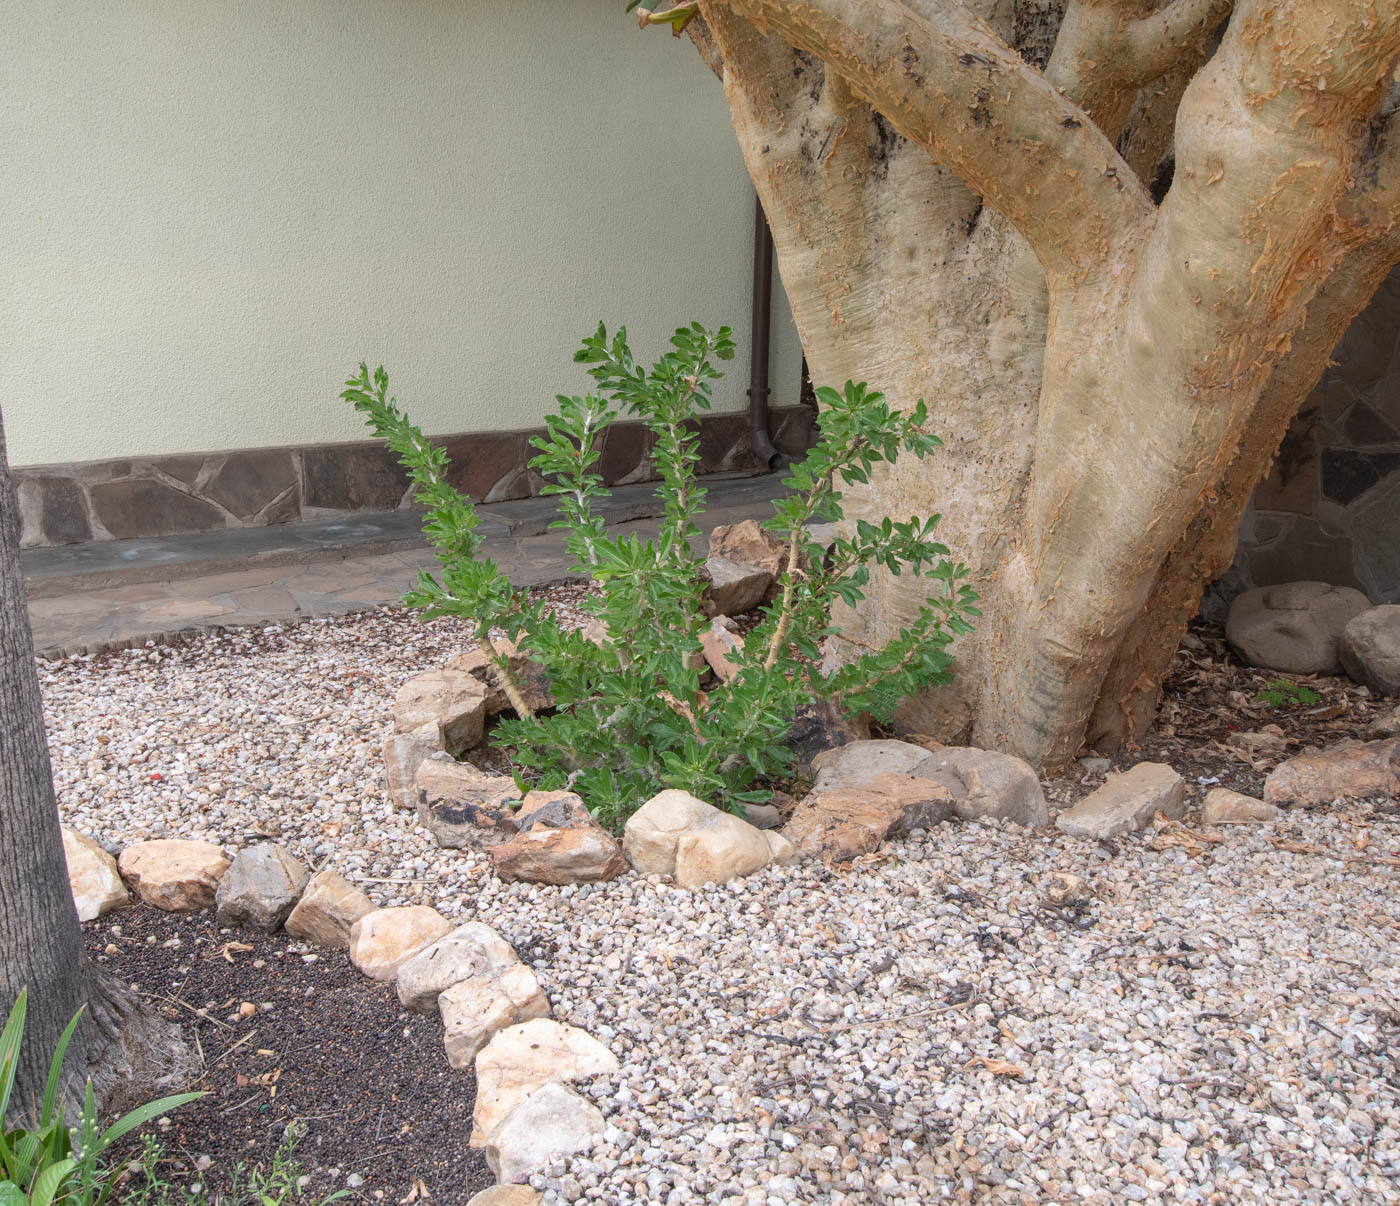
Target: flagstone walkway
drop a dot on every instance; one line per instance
(116, 593)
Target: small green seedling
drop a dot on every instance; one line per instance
(1284, 693)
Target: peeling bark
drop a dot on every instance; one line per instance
(1111, 376)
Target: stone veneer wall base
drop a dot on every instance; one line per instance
(138, 497)
(1329, 511)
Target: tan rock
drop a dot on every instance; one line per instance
(528, 675)
(463, 807)
(328, 910)
(260, 888)
(453, 700)
(1369, 649)
(558, 842)
(1225, 807)
(553, 810)
(172, 874)
(507, 1195)
(857, 762)
(718, 643)
(986, 783)
(1261, 741)
(1385, 725)
(749, 544)
(734, 588)
(1294, 627)
(93, 877)
(932, 744)
(551, 1123)
(654, 834)
(766, 816)
(1127, 802)
(404, 753)
(718, 856)
(527, 1057)
(383, 941)
(474, 949)
(1064, 887)
(650, 835)
(841, 823)
(559, 856)
(980, 783)
(475, 1010)
(1344, 772)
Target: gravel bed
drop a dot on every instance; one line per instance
(1206, 1023)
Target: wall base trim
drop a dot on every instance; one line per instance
(134, 497)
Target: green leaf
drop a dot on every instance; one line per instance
(142, 1115)
(10, 1038)
(56, 1069)
(47, 1183)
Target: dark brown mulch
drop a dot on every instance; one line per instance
(1213, 720)
(1216, 731)
(315, 1043)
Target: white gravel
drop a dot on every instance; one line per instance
(1211, 1029)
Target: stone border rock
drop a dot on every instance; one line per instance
(496, 1017)
(495, 1014)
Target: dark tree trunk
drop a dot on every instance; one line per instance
(127, 1052)
(39, 936)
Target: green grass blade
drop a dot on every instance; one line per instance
(142, 1115)
(56, 1070)
(9, 1050)
(87, 1127)
(26, 1154)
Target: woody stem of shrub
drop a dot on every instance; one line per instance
(785, 613)
(501, 661)
(790, 577)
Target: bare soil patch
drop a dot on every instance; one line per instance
(291, 1036)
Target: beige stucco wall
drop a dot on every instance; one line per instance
(212, 211)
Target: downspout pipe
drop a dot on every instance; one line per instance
(760, 443)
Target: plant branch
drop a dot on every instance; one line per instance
(1154, 43)
(819, 488)
(948, 84)
(785, 612)
(1105, 54)
(501, 660)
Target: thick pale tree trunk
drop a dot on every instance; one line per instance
(126, 1052)
(959, 195)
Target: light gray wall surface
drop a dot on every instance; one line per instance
(214, 211)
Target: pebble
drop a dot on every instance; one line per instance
(1188, 1029)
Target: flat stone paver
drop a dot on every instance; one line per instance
(113, 594)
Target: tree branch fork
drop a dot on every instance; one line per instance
(1164, 321)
